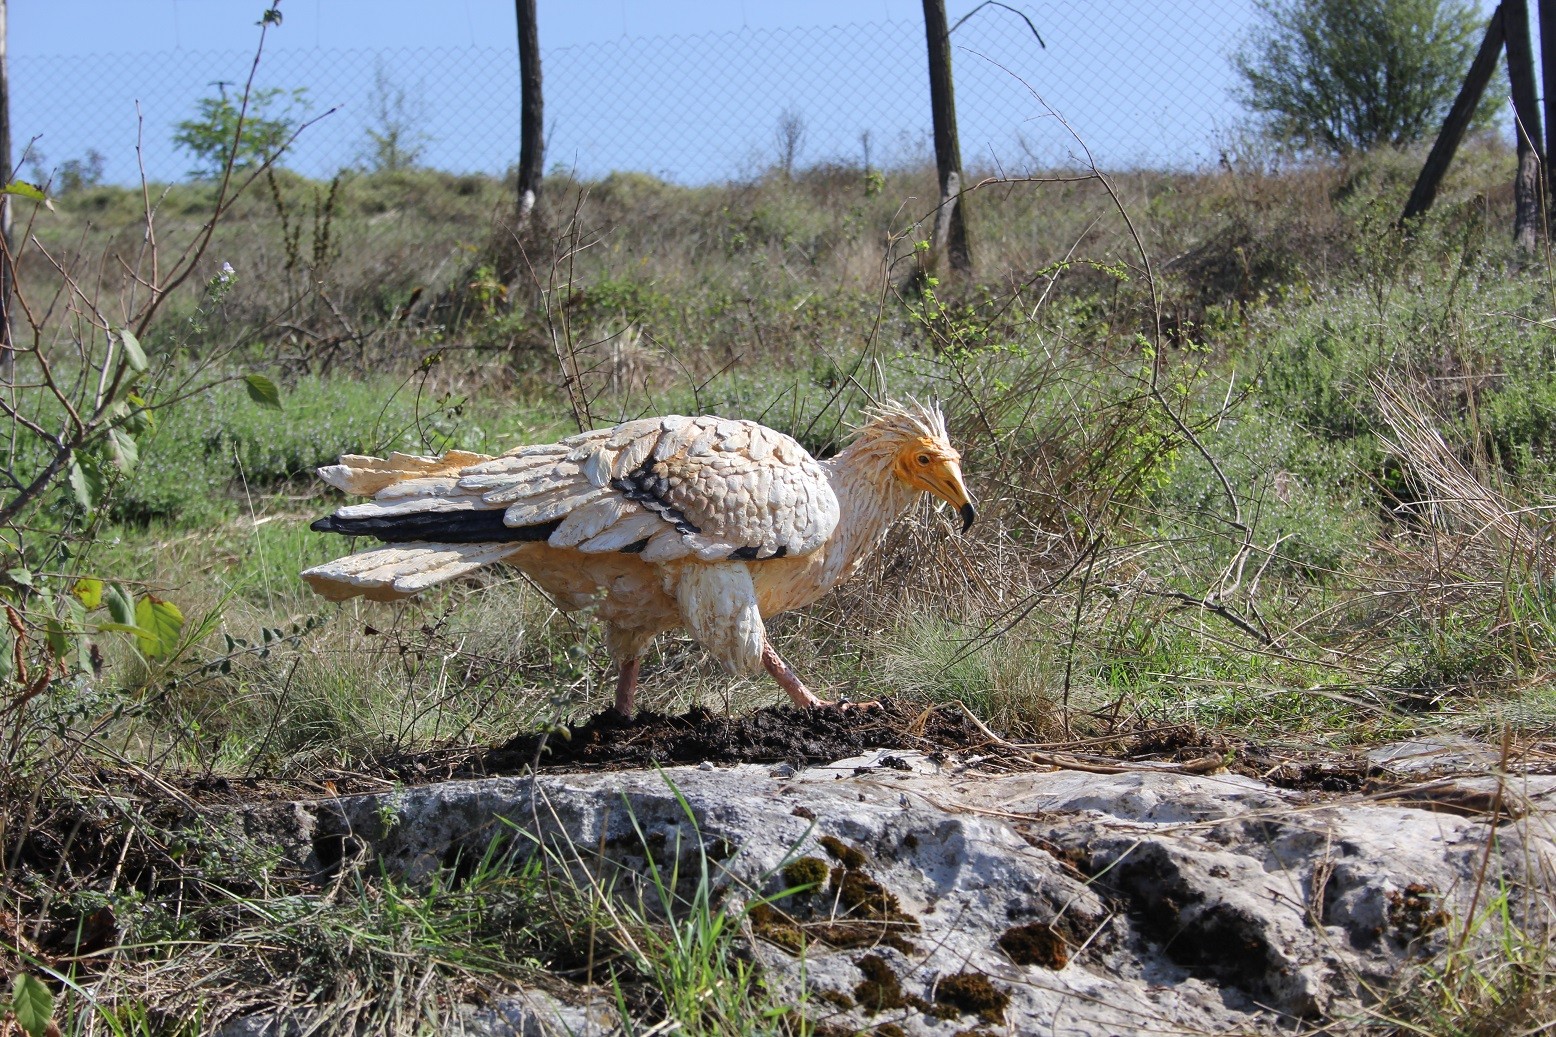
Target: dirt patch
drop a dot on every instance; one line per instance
(1416, 912)
(1318, 773)
(1311, 771)
(775, 734)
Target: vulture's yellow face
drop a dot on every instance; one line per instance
(931, 464)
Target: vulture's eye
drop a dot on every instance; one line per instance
(923, 458)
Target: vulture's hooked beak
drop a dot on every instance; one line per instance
(943, 478)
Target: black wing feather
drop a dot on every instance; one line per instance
(439, 527)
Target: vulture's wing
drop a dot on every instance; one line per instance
(674, 487)
(669, 487)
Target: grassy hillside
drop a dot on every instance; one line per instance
(1254, 465)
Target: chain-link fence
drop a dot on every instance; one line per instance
(1142, 83)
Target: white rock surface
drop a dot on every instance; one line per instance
(1149, 902)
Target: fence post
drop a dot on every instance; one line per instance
(531, 120)
(1457, 121)
(950, 226)
(1520, 75)
(1548, 77)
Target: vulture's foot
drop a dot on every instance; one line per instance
(846, 705)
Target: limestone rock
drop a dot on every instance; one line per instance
(1057, 902)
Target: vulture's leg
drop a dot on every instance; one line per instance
(787, 679)
(790, 681)
(627, 685)
(626, 646)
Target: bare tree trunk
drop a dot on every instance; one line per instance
(951, 242)
(1520, 74)
(532, 150)
(510, 242)
(1457, 121)
(7, 346)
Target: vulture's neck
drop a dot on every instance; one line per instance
(869, 500)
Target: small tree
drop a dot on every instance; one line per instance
(790, 137)
(269, 122)
(1344, 75)
(395, 139)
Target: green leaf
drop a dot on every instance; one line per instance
(32, 1004)
(20, 577)
(122, 448)
(86, 484)
(57, 638)
(88, 592)
(7, 654)
(134, 355)
(263, 391)
(123, 628)
(133, 414)
(161, 622)
(79, 486)
(121, 606)
(25, 190)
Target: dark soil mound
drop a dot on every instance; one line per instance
(769, 735)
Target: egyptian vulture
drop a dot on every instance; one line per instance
(705, 523)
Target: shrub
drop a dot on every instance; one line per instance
(268, 122)
(1347, 75)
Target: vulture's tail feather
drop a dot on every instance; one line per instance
(366, 476)
(390, 573)
(436, 526)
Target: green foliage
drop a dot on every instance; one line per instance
(78, 173)
(32, 1004)
(624, 299)
(71, 175)
(1345, 75)
(268, 122)
(22, 189)
(159, 624)
(1499, 978)
(686, 944)
(1013, 687)
(205, 451)
(262, 391)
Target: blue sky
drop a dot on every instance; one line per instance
(120, 26)
(690, 90)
